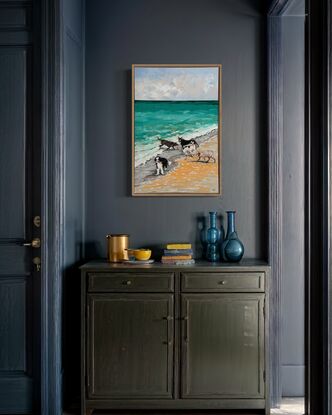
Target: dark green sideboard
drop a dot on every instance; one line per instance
(174, 337)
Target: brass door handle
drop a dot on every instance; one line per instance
(35, 243)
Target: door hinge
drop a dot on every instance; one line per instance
(264, 376)
(264, 310)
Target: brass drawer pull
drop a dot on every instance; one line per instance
(222, 282)
(169, 330)
(126, 282)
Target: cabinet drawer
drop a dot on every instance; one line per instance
(223, 282)
(126, 282)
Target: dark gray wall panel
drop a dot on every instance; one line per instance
(293, 244)
(13, 70)
(122, 32)
(73, 151)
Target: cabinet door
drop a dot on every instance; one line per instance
(130, 345)
(222, 346)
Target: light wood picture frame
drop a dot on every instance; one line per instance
(176, 130)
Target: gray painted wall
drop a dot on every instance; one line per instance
(73, 221)
(292, 335)
(122, 32)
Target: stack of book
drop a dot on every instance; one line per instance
(178, 254)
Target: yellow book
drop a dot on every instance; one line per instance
(178, 246)
(175, 257)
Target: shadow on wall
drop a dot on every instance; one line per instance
(129, 172)
(71, 329)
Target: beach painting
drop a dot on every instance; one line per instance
(176, 130)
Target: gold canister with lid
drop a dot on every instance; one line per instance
(117, 245)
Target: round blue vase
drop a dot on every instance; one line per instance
(232, 248)
(213, 239)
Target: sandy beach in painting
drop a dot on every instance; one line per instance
(185, 174)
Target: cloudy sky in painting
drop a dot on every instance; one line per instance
(176, 84)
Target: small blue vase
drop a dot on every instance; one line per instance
(213, 239)
(232, 248)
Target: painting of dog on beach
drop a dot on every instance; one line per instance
(176, 130)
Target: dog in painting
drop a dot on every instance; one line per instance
(184, 143)
(170, 145)
(162, 164)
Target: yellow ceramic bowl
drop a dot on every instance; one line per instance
(140, 254)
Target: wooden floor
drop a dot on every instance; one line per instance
(289, 406)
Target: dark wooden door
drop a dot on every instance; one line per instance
(19, 203)
(130, 346)
(222, 346)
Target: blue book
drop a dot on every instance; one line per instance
(170, 252)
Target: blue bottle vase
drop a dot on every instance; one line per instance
(213, 235)
(232, 248)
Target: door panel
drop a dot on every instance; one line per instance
(14, 258)
(222, 345)
(130, 345)
(19, 187)
(15, 382)
(13, 133)
(13, 324)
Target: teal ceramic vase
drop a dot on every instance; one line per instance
(213, 239)
(232, 248)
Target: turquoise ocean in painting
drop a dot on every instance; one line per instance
(169, 120)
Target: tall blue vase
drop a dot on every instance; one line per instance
(232, 248)
(213, 239)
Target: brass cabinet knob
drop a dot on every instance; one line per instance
(222, 282)
(127, 282)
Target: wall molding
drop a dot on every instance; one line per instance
(328, 228)
(278, 7)
(51, 208)
(275, 123)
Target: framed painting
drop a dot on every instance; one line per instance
(176, 130)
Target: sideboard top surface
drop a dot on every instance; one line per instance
(244, 265)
